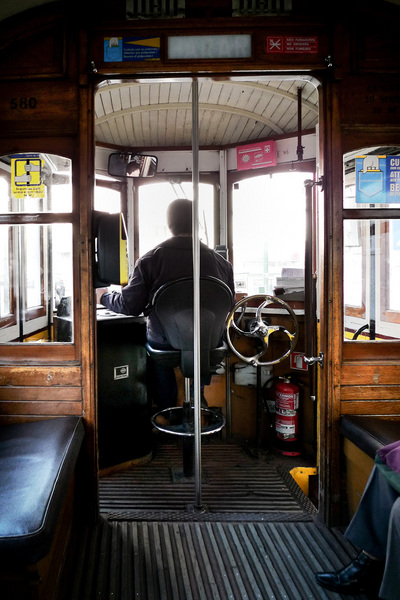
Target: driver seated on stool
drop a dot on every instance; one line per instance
(168, 261)
(376, 529)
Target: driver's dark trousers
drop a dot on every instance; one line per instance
(376, 528)
(162, 381)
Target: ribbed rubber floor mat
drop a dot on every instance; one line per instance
(206, 561)
(233, 482)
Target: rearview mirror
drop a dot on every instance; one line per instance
(127, 164)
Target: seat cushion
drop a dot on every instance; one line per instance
(37, 460)
(370, 433)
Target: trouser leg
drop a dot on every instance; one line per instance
(163, 385)
(370, 525)
(390, 587)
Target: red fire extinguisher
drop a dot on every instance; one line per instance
(287, 418)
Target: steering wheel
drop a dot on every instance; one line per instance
(260, 329)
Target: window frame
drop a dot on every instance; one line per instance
(66, 351)
(368, 349)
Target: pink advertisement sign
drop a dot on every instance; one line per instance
(256, 156)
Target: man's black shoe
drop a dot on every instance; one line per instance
(363, 573)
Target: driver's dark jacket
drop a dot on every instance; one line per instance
(168, 261)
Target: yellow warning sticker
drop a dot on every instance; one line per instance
(27, 176)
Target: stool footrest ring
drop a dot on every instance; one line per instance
(171, 420)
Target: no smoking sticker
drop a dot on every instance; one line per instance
(292, 44)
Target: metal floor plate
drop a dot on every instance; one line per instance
(233, 483)
(206, 561)
(260, 539)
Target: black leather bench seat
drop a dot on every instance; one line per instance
(370, 433)
(37, 460)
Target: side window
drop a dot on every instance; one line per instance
(36, 274)
(371, 240)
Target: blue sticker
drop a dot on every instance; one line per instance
(371, 179)
(113, 47)
(131, 49)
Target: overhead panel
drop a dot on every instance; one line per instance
(169, 9)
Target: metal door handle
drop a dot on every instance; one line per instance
(311, 360)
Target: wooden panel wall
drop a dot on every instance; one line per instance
(364, 110)
(42, 390)
(39, 60)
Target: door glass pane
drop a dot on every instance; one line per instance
(269, 233)
(372, 279)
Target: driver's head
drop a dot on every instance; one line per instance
(179, 217)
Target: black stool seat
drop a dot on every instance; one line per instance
(172, 357)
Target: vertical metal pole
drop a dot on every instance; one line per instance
(310, 295)
(309, 280)
(372, 305)
(300, 148)
(196, 296)
(223, 198)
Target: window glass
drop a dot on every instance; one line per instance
(41, 283)
(5, 272)
(269, 233)
(38, 183)
(36, 260)
(372, 279)
(154, 199)
(5, 253)
(107, 199)
(33, 258)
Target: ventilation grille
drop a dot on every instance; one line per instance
(155, 9)
(169, 9)
(254, 8)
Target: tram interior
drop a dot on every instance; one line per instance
(256, 214)
(252, 208)
(155, 119)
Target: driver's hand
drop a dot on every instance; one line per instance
(99, 294)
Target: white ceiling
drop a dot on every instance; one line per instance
(158, 114)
